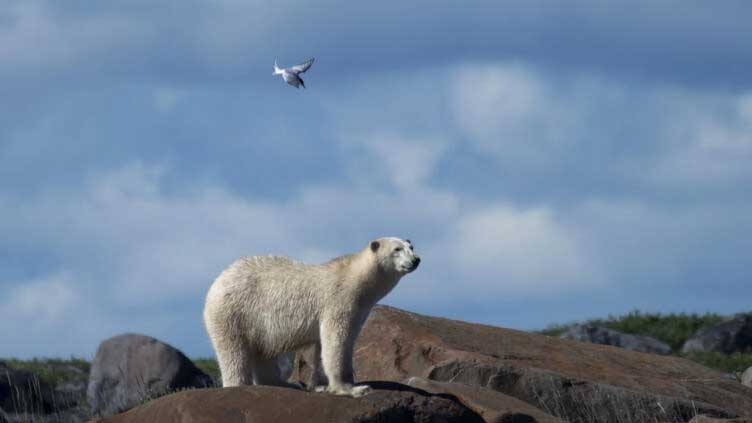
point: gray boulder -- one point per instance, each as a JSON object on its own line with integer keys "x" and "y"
{"x": 605, "y": 336}
{"x": 747, "y": 377}
{"x": 131, "y": 369}
{"x": 730, "y": 336}
{"x": 23, "y": 392}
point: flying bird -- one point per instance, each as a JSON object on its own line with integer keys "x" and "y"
{"x": 291, "y": 75}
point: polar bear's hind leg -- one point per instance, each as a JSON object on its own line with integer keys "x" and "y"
{"x": 267, "y": 372}
{"x": 235, "y": 363}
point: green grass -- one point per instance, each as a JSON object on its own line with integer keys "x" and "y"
{"x": 210, "y": 367}
{"x": 68, "y": 405}
{"x": 554, "y": 329}
{"x": 735, "y": 363}
{"x": 53, "y": 370}
{"x": 57, "y": 370}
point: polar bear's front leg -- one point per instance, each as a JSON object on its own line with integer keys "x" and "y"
{"x": 337, "y": 344}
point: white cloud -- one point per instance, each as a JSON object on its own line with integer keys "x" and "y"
{"x": 646, "y": 243}
{"x": 713, "y": 147}
{"x": 170, "y": 244}
{"x": 406, "y": 163}
{"x": 489, "y": 98}
{"x": 514, "y": 112}
{"x": 34, "y": 40}
{"x": 666, "y": 137}
{"x": 500, "y": 249}
{"x": 42, "y": 301}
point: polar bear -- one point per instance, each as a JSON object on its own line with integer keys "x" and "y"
{"x": 260, "y": 309}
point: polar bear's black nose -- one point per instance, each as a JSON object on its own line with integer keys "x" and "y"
{"x": 416, "y": 262}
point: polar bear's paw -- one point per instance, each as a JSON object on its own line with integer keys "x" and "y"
{"x": 348, "y": 390}
{"x": 360, "y": 391}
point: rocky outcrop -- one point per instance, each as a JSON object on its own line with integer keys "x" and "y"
{"x": 707, "y": 419}
{"x": 600, "y": 335}
{"x": 730, "y": 336}
{"x": 130, "y": 369}
{"x": 575, "y": 381}
{"x": 22, "y": 392}
{"x": 390, "y": 402}
{"x": 493, "y": 406}
{"x": 747, "y": 377}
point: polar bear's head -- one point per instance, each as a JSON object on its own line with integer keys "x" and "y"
{"x": 395, "y": 255}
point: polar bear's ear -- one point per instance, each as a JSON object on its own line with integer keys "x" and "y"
{"x": 375, "y": 246}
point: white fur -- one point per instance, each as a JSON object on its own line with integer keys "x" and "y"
{"x": 261, "y": 308}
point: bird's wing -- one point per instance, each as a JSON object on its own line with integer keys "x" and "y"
{"x": 303, "y": 66}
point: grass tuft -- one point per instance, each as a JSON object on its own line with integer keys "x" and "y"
{"x": 734, "y": 364}
{"x": 210, "y": 367}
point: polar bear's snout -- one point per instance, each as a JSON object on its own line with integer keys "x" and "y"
{"x": 407, "y": 260}
{"x": 413, "y": 264}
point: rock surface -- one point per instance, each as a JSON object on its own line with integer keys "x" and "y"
{"x": 706, "y": 419}
{"x": 747, "y": 377}
{"x": 600, "y": 335}
{"x": 575, "y": 381}
{"x": 129, "y": 369}
{"x": 493, "y": 406}
{"x": 730, "y": 336}
{"x": 22, "y": 392}
{"x": 390, "y": 402}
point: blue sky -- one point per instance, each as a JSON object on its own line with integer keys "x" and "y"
{"x": 550, "y": 162}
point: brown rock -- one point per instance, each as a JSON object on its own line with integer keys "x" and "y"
{"x": 575, "y": 381}
{"x": 493, "y": 406}
{"x": 390, "y": 402}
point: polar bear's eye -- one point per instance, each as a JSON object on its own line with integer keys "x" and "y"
{"x": 398, "y": 249}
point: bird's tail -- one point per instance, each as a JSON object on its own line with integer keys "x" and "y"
{"x": 277, "y": 70}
